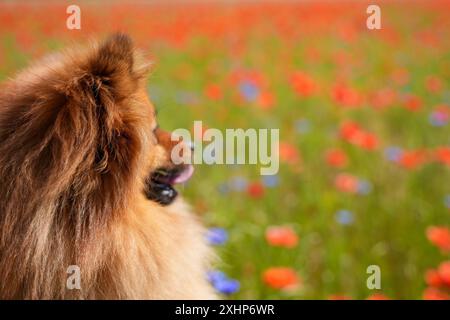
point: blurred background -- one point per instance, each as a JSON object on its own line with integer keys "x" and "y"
{"x": 364, "y": 128}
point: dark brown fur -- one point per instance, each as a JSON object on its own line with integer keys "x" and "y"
{"x": 76, "y": 145}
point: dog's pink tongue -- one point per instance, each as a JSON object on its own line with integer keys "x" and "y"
{"x": 185, "y": 175}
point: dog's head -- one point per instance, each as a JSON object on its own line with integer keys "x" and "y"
{"x": 79, "y": 129}
{"x": 121, "y": 70}
{"x": 119, "y": 87}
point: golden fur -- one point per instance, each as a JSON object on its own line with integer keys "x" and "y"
{"x": 77, "y": 142}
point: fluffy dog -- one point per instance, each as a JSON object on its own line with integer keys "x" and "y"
{"x": 86, "y": 179}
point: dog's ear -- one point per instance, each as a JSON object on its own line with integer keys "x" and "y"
{"x": 111, "y": 66}
{"x": 103, "y": 95}
{"x": 115, "y": 54}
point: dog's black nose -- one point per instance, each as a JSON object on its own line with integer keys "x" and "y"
{"x": 160, "y": 192}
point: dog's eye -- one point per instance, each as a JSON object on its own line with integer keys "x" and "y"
{"x": 154, "y": 133}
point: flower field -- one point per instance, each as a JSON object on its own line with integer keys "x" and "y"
{"x": 364, "y": 127}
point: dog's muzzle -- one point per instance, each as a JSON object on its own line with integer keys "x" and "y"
{"x": 159, "y": 186}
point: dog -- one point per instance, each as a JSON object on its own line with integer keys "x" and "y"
{"x": 87, "y": 180}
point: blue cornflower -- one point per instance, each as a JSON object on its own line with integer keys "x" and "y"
{"x": 393, "y": 153}
{"x": 223, "y": 188}
{"x": 270, "y": 181}
{"x": 154, "y": 93}
{"x": 215, "y": 276}
{"x": 216, "y": 236}
{"x": 302, "y": 126}
{"x": 344, "y": 217}
{"x": 249, "y": 90}
{"x": 222, "y": 283}
{"x": 227, "y": 286}
{"x": 364, "y": 187}
{"x": 238, "y": 184}
{"x": 186, "y": 97}
{"x": 437, "y": 119}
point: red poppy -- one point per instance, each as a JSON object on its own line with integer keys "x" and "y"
{"x": 346, "y": 96}
{"x": 412, "y": 102}
{"x": 432, "y": 293}
{"x": 412, "y": 159}
{"x": 377, "y": 296}
{"x": 266, "y": 100}
{"x": 383, "y": 98}
{"x": 346, "y": 183}
{"x": 349, "y": 130}
{"x": 283, "y": 278}
{"x": 282, "y": 237}
{"x": 289, "y": 153}
{"x": 336, "y": 158}
{"x": 255, "y": 190}
{"x": 439, "y": 236}
{"x": 433, "y": 279}
{"x": 444, "y": 272}
{"x": 303, "y": 84}
{"x": 213, "y": 92}
{"x": 354, "y": 134}
{"x": 368, "y": 141}
{"x": 442, "y": 155}
{"x": 433, "y": 84}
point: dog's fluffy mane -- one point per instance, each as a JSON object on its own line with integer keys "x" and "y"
{"x": 71, "y": 146}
